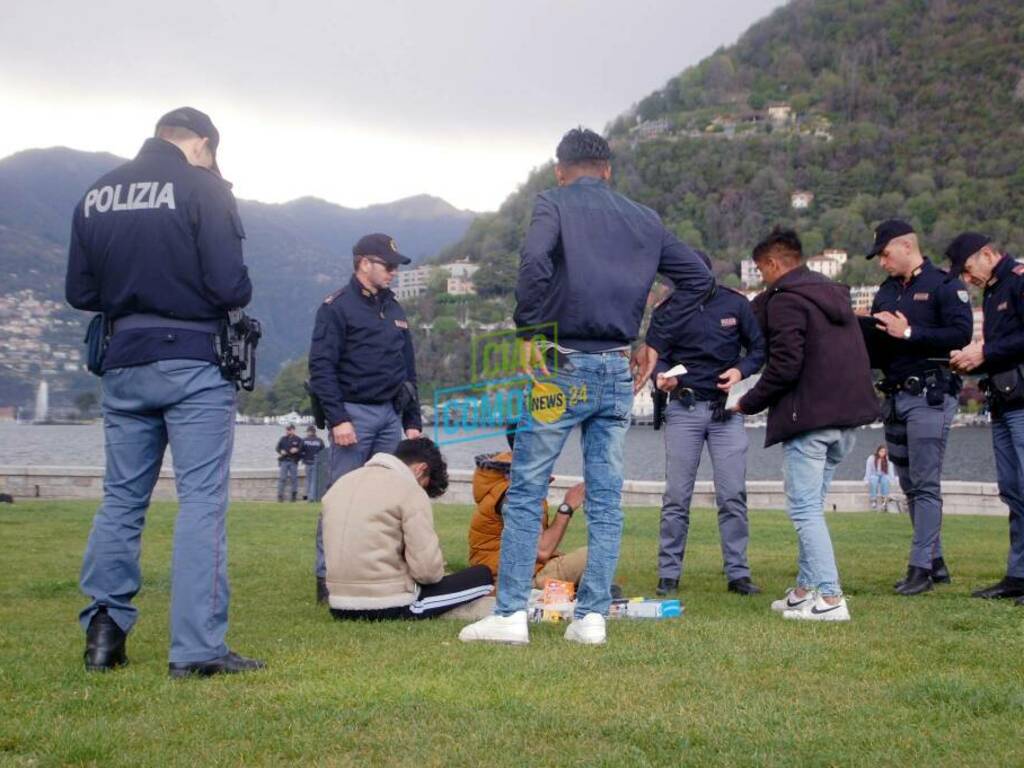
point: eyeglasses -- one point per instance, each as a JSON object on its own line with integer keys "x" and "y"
{"x": 387, "y": 266}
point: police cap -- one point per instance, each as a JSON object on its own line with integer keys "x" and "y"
{"x": 962, "y": 248}
{"x": 380, "y": 246}
{"x": 197, "y": 122}
{"x": 886, "y": 231}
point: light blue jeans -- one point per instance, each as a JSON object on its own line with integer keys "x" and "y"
{"x": 598, "y": 393}
{"x": 809, "y": 462}
{"x": 189, "y": 405}
{"x": 878, "y": 485}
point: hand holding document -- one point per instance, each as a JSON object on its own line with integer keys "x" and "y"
{"x": 740, "y": 388}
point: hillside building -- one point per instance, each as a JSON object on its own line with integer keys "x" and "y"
{"x": 801, "y": 200}
{"x": 410, "y": 283}
{"x": 750, "y": 276}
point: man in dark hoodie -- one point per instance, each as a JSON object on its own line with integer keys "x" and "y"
{"x": 817, "y": 388}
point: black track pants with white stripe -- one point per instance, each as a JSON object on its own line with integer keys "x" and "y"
{"x": 453, "y": 590}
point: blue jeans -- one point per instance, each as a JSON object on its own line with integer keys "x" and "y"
{"x": 189, "y": 405}
{"x": 878, "y": 485}
{"x": 598, "y": 392}
{"x": 809, "y": 462}
{"x": 378, "y": 430}
{"x": 287, "y": 479}
{"x": 1008, "y": 445}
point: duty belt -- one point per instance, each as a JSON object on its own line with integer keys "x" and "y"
{"x": 143, "y": 320}
{"x": 913, "y": 385}
{"x": 688, "y": 397}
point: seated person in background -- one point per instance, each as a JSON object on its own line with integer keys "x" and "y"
{"x": 383, "y": 557}
{"x": 879, "y": 474}
{"x": 490, "y": 482}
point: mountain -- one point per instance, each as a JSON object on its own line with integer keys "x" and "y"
{"x": 879, "y": 108}
{"x": 297, "y": 253}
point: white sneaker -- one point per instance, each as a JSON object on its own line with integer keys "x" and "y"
{"x": 819, "y": 610}
{"x": 587, "y": 631}
{"x": 498, "y": 629}
{"x": 792, "y": 603}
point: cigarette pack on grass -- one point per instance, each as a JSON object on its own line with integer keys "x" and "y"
{"x": 554, "y": 603}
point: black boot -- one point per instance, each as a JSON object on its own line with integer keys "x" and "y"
{"x": 667, "y": 587}
{"x": 918, "y": 580}
{"x": 228, "y": 664}
{"x": 321, "y": 590}
{"x": 104, "y": 643}
{"x": 1008, "y": 587}
{"x": 940, "y": 572}
{"x": 744, "y": 586}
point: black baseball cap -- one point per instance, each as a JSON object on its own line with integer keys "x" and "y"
{"x": 381, "y": 246}
{"x": 965, "y": 245}
{"x": 886, "y": 231}
{"x": 197, "y": 122}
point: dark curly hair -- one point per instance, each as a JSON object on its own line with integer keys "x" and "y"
{"x": 423, "y": 449}
{"x": 782, "y": 242}
{"x": 583, "y": 146}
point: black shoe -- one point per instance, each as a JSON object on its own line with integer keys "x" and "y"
{"x": 321, "y": 590}
{"x": 744, "y": 586}
{"x": 918, "y": 580}
{"x": 940, "y": 572}
{"x": 104, "y": 644}
{"x": 1008, "y": 587}
{"x": 616, "y": 592}
{"x": 667, "y": 587}
{"x": 228, "y": 664}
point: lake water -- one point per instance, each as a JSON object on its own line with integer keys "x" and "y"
{"x": 968, "y": 457}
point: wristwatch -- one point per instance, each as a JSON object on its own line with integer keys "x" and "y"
{"x": 564, "y": 509}
{"x": 906, "y": 332}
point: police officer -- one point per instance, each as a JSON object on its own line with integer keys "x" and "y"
{"x": 362, "y": 368}
{"x": 289, "y": 452}
{"x": 156, "y": 245}
{"x": 311, "y": 447}
{"x": 918, "y": 316}
{"x": 999, "y": 356}
{"x": 719, "y": 346}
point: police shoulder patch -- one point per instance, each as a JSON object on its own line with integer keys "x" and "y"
{"x": 963, "y": 296}
{"x": 1019, "y": 269}
{"x": 333, "y": 296}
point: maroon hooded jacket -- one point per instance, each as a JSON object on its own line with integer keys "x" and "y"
{"x": 818, "y": 375}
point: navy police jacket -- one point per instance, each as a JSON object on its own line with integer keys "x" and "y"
{"x": 362, "y": 353}
{"x": 1003, "y": 328}
{"x": 722, "y": 334}
{"x": 158, "y": 236}
{"x": 589, "y": 259}
{"x": 939, "y": 312}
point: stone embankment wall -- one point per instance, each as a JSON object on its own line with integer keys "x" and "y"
{"x": 959, "y": 497}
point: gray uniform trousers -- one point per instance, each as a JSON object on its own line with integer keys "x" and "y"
{"x": 916, "y": 434}
{"x": 686, "y": 431}
{"x": 378, "y": 430}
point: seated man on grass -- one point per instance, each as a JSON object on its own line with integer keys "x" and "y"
{"x": 490, "y": 482}
{"x": 383, "y": 557}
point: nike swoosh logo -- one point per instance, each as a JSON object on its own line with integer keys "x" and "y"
{"x": 791, "y": 604}
{"x": 816, "y": 612}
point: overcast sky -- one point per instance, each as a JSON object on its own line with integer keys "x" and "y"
{"x": 357, "y": 103}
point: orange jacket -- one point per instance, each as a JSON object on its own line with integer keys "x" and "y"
{"x": 490, "y": 482}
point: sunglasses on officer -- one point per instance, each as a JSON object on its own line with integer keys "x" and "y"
{"x": 387, "y": 265}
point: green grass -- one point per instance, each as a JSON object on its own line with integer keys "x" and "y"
{"x": 935, "y": 680}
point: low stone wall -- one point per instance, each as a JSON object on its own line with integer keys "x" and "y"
{"x": 959, "y": 497}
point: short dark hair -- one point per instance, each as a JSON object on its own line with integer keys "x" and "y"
{"x": 581, "y": 146}
{"x": 781, "y": 242}
{"x": 423, "y": 449}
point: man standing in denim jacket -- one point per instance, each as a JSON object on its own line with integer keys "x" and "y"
{"x": 587, "y": 264}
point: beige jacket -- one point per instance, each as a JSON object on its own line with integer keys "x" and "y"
{"x": 379, "y": 539}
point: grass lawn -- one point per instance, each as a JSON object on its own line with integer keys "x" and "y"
{"x": 934, "y": 680}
